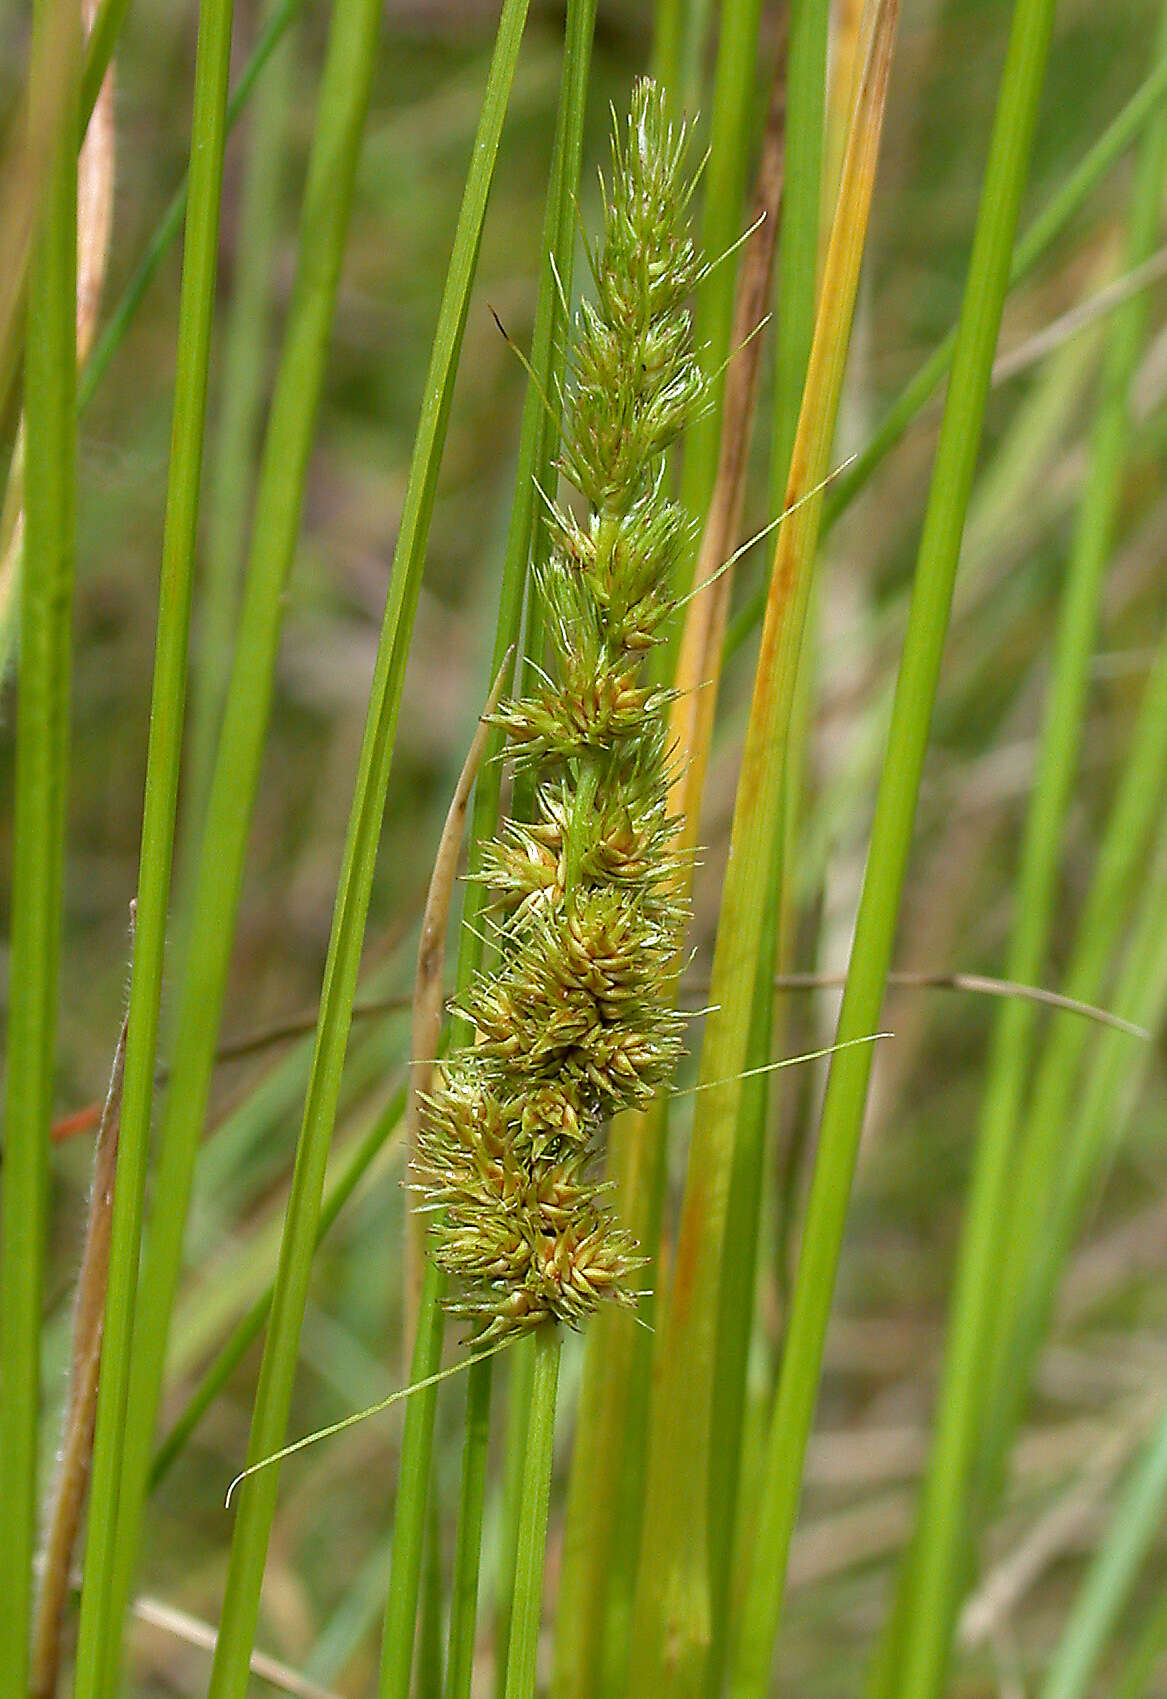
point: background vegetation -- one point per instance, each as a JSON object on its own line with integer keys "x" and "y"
{"x": 994, "y": 1379}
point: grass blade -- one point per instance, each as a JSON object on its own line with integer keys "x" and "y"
{"x": 538, "y": 441}
{"x": 521, "y": 1370}
{"x": 41, "y": 786}
{"x": 196, "y": 309}
{"x": 731, "y": 126}
{"x": 249, "y": 1328}
{"x": 241, "y": 394}
{"x": 257, "y": 1501}
{"x": 1088, "y": 1145}
{"x": 464, "y": 1595}
{"x": 798, "y": 250}
{"x": 927, "y": 1629}
{"x": 891, "y": 835}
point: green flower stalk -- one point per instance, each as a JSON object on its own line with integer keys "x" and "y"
{"x": 572, "y": 1024}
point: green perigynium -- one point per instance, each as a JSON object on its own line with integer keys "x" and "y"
{"x": 572, "y": 1024}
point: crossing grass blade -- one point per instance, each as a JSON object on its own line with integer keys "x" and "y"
{"x": 282, "y": 15}
{"x": 538, "y": 443}
{"x": 730, "y": 136}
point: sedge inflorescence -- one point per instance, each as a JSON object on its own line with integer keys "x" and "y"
{"x": 573, "y": 1022}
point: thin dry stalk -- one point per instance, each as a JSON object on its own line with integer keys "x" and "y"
{"x": 428, "y": 992}
{"x": 699, "y": 660}
{"x": 64, "y": 1516}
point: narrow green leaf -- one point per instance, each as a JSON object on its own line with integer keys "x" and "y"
{"x": 988, "y": 276}
{"x": 464, "y": 1596}
{"x": 1032, "y": 247}
{"x": 846, "y": 1093}
{"x": 241, "y": 396}
{"x": 796, "y": 272}
{"x": 1089, "y": 1142}
{"x": 250, "y": 1327}
{"x": 98, "y": 1632}
{"x": 42, "y": 748}
{"x": 731, "y": 130}
{"x": 521, "y": 1367}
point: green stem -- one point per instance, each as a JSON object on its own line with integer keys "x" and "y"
{"x": 99, "y": 1629}
{"x": 797, "y": 264}
{"x": 846, "y": 1094}
{"x": 917, "y": 1661}
{"x": 464, "y": 1597}
{"x": 527, "y": 1604}
{"x": 1087, "y": 1146}
{"x": 99, "y": 49}
{"x": 605, "y": 1503}
{"x": 796, "y": 279}
{"x": 538, "y": 446}
{"x": 1134, "y": 1680}
{"x": 738, "y": 1281}
{"x": 731, "y": 134}
{"x": 672, "y": 1624}
{"x": 42, "y": 749}
{"x": 522, "y": 1370}
{"x": 429, "y": 1634}
{"x": 417, "y": 1447}
{"x": 241, "y": 394}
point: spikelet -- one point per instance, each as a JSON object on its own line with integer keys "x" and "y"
{"x": 571, "y": 1025}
